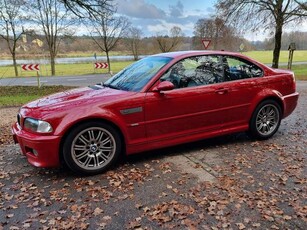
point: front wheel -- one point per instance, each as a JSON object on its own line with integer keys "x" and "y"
{"x": 91, "y": 148}
{"x": 265, "y": 120}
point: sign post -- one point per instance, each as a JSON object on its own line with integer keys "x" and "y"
{"x": 291, "y": 49}
{"x": 38, "y": 82}
{"x": 32, "y": 67}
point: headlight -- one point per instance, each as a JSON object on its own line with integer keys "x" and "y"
{"x": 38, "y": 126}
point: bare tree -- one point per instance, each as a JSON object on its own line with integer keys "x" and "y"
{"x": 303, "y": 5}
{"x": 264, "y": 14}
{"x": 54, "y": 20}
{"x": 221, "y": 35}
{"x": 134, "y": 41}
{"x": 107, "y": 30}
{"x": 87, "y": 8}
{"x": 10, "y": 25}
{"x": 169, "y": 43}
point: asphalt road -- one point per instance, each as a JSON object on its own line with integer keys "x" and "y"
{"x": 81, "y": 80}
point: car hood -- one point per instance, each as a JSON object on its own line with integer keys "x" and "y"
{"x": 78, "y": 97}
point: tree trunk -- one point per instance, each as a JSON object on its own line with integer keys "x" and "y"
{"x": 277, "y": 47}
{"x": 15, "y": 64}
{"x": 135, "y": 51}
{"x": 108, "y": 61}
{"x": 52, "y": 62}
{"x": 215, "y": 40}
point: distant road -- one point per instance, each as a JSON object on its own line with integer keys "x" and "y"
{"x": 81, "y": 80}
{"x": 286, "y": 63}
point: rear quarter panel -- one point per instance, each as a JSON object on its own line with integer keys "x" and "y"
{"x": 279, "y": 85}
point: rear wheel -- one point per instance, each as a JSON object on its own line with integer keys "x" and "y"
{"x": 91, "y": 148}
{"x": 265, "y": 120}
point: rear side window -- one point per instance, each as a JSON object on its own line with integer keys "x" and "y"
{"x": 241, "y": 69}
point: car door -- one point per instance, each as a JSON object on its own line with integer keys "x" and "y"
{"x": 191, "y": 109}
{"x": 244, "y": 80}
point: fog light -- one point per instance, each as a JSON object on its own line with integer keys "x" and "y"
{"x": 35, "y": 152}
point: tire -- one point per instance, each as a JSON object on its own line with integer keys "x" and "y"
{"x": 91, "y": 148}
{"x": 265, "y": 120}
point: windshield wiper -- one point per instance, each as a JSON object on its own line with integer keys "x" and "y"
{"x": 111, "y": 86}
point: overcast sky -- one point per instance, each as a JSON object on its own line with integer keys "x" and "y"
{"x": 158, "y": 16}
{"x": 153, "y": 16}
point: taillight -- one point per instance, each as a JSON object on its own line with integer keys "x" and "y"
{"x": 294, "y": 84}
{"x": 293, "y": 77}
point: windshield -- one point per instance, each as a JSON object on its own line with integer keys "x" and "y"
{"x": 137, "y": 75}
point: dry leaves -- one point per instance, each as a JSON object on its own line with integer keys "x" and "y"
{"x": 259, "y": 185}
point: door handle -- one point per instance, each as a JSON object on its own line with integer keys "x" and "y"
{"x": 248, "y": 83}
{"x": 221, "y": 91}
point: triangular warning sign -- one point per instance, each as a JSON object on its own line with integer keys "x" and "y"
{"x": 206, "y": 42}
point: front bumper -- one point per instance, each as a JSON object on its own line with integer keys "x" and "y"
{"x": 40, "y": 150}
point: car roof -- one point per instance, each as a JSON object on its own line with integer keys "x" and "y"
{"x": 191, "y": 53}
{"x": 182, "y": 54}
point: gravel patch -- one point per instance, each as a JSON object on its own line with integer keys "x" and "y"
{"x": 8, "y": 117}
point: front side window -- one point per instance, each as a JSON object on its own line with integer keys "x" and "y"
{"x": 196, "y": 71}
{"x": 137, "y": 75}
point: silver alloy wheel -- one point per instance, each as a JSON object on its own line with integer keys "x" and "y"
{"x": 93, "y": 148}
{"x": 267, "y": 119}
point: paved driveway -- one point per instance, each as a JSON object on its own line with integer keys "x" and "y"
{"x": 222, "y": 183}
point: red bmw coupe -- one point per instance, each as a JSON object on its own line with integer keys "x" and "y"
{"x": 161, "y": 100}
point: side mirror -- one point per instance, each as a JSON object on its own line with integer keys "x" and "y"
{"x": 164, "y": 86}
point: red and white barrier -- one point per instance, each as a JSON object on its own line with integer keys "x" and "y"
{"x": 101, "y": 65}
{"x": 30, "y": 67}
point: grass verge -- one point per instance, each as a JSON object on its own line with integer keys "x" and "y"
{"x": 19, "y": 95}
{"x": 87, "y": 68}
{"x": 63, "y": 69}
{"x": 300, "y": 72}
{"x": 267, "y": 56}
